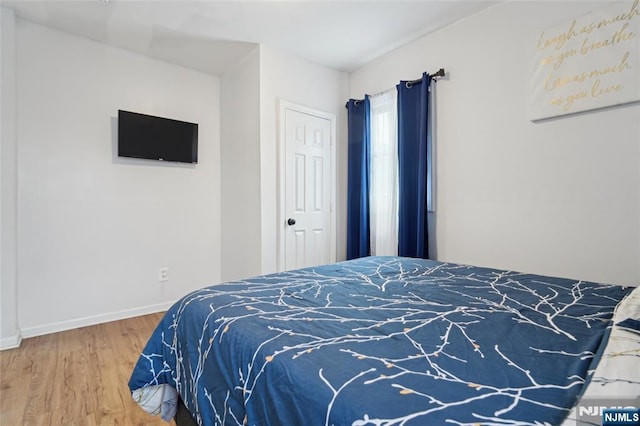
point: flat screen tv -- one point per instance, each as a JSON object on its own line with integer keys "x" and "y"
{"x": 156, "y": 138}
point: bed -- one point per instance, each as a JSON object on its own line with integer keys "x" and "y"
{"x": 386, "y": 341}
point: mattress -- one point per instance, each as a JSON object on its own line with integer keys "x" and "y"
{"x": 380, "y": 341}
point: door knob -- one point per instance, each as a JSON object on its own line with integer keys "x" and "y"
{"x": 291, "y": 221}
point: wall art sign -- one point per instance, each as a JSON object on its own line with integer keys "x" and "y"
{"x": 587, "y": 63}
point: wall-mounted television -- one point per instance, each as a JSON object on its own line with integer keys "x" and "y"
{"x": 156, "y": 138}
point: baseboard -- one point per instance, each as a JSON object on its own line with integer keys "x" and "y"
{"x": 11, "y": 342}
{"x": 93, "y": 320}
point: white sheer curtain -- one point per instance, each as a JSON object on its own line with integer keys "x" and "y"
{"x": 383, "y": 193}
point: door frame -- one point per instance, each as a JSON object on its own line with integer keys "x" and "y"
{"x": 283, "y": 106}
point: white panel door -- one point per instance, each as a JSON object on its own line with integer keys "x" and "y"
{"x": 307, "y": 195}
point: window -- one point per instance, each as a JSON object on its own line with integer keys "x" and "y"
{"x": 383, "y": 193}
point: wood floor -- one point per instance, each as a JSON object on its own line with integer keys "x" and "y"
{"x": 76, "y": 377}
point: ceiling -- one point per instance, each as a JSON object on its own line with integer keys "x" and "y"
{"x": 211, "y": 36}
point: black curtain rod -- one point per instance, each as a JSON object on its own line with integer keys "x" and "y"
{"x": 439, "y": 73}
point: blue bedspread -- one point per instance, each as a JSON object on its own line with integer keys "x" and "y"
{"x": 382, "y": 341}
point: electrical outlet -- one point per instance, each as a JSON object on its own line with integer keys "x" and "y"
{"x": 163, "y": 274}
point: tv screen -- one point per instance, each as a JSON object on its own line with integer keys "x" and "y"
{"x": 156, "y": 138}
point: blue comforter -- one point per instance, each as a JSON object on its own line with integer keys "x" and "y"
{"x": 382, "y": 341}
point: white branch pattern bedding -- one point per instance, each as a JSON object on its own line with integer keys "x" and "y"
{"x": 381, "y": 341}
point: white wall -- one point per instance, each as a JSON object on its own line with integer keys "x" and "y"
{"x": 249, "y": 95}
{"x": 289, "y": 78}
{"x": 9, "y": 330}
{"x": 560, "y": 197}
{"x": 240, "y": 120}
{"x": 93, "y": 228}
